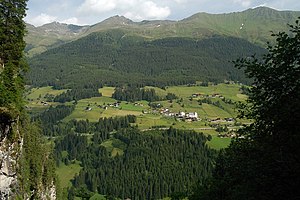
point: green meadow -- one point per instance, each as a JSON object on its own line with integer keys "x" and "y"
{"x": 39, "y": 93}
{"x": 66, "y": 173}
{"x": 147, "y": 118}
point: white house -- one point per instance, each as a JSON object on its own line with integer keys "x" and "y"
{"x": 192, "y": 115}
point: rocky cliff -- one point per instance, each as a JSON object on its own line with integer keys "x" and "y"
{"x": 11, "y": 151}
{"x": 9, "y": 154}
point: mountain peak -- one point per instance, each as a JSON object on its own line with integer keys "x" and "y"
{"x": 117, "y": 20}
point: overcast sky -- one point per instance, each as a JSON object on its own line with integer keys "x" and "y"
{"x": 89, "y": 12}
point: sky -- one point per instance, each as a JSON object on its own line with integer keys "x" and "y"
{"x": 89, "y": 12}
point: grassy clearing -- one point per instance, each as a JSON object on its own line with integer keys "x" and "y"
{"x": 212, "y": 111}
{"x": 107, "y": 91}
{"x": 114, "y": 147}
{"x": 66, "y": 173}
{"x": 80, "y": 112}
{"x": 132, "y": 107}
{"x": 216, "y": 142}
{"x": 230, "y": 91}
{"x": 35, "y": 96}
{"x": 112, "y": 112}
{"x": 160, "y": 92}
{"x": 39, "y": 93}
{"x": 219, "y": 143}
{"x": 149, "y": 120}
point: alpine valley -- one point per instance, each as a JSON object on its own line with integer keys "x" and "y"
{"x": 140, "y": 110}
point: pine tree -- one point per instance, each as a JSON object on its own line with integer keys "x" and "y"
{"x": 31, "y": 158}
{"x": 12, "y": 44}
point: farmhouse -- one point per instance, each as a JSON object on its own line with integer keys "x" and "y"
{"x": 192, "y": 115}
{"x": 181, "y": 114}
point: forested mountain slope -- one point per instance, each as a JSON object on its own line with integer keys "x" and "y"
{"x": 115, "y": 57}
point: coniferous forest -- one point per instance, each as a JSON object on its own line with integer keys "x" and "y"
{"x": 151, "y": 165}
{"x": 112, "y": 58}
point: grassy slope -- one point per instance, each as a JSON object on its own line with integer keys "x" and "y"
{"x": 229, "y": 91}
{"x": 35, "y": 93}
{"x": 107, "y": 91}
{"x": 67, "y": 173}
{"x": 35, "y": 96}
{"x": 114, "y": 147}
{"x": 146, "y": 121}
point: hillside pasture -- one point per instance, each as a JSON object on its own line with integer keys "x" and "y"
{"x": 66, "y": 173}
{"x": 148, "y": 118}
{"x": 107, "y": 91}
{"x": 39, "y": 93}
{"x": 230, "y": 91}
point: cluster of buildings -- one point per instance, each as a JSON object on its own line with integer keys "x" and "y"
{"x": 105, "y": 107}
{"x": 183, "y": 116}
{"x": 199, "y": 95}
{"x": 219, "y": 120}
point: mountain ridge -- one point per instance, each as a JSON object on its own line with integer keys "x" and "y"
{"x": 253, "y": 25}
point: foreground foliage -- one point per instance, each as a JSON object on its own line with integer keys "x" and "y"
{"x": 32, "y": 162}
{"x": 264, "y": 164}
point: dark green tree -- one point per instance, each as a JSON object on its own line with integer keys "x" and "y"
{"x": 12, "y": 44}
{"x": 33, "y": 167}
{"x": 264, "y": 162}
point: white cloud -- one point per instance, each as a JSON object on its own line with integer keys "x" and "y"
{"x": 181, "y": 1}
{"x": 148, "y": 10}
{"x": 244, "y": 3}
{"x": 96, "y": 6}
{"x": 133, "y": 9}
{"x": 41, "y": 19}
{"x": 73, "y": 20}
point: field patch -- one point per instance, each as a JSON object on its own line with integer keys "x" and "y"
{"x": 114, "y": 147}
{"x": 39, "y": 93}
{"x": 231, "y": 91}
{"x": 107, "y": 91}
{"x": 66, "y": 173}
{"x": 219, "y": 143}
{"x": 160, "y": 92}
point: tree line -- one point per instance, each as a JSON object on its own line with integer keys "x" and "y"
{"x": 77, "y": 94}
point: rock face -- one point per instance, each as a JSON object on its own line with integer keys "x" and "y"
{"x": 9, "y": 155}
{"x": 50, "y": 193}
{"x": 11, "y": 150}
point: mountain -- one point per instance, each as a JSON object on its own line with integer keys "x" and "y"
{"x": 253, "y": 25}
{"x": 39, "y": 39}
{"x": 119, "y": 51}
{"x": 115, "y": 58}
